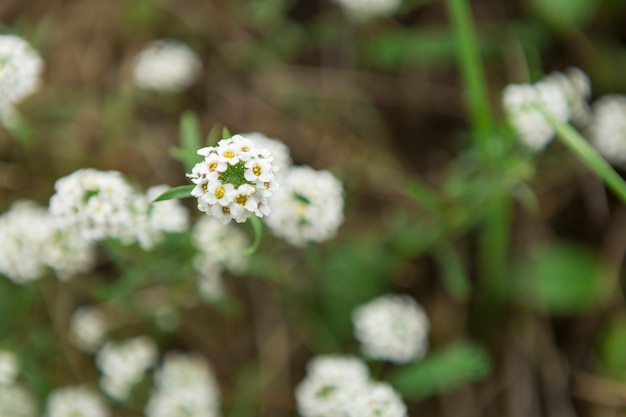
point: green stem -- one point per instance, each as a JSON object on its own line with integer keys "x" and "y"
{"x": 494, "y": 243}
{"x": 257, "y": 226}
{"x": 471, "y": 70}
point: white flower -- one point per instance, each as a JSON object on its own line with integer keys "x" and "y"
{"x": 392, "y": 327}
{"x": 88, "y": 328}
{"x": 20, "y": 72}
{"x": 307, "y": 208}
{"x": 166, "y": 65}
{"x": 576, "y": 87}
{"x": 75, "y": 401}
{"x": 331, "y": 386}
{"x": 9, "y": 367}
{"x": 361, "y": 10}
{"x": 123, "y": 364}
{"x": 607, "y": 130}
{"x": 67, "y": 252}
{"x": 278, "y": 150}
{"x": 185, "y": 387}
{"x": 378, "y": 400}
{"x": 234, "y": 181}
{"x": 15, "y": 401}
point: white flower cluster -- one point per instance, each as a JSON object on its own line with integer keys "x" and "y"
{"x": 392, "y": 327}
{"x": 20, "y": 72}
{"x": 166, "y": 65}
{"x": 32, "y": 240}
{"x": 220, "y": 247}
{"x": 607, "y": 130}
{"x": 15, "y": 401}
{"x": 103, "y": 205}
{"x": 9, "y": 367}
{"x": 308, "y": 207}
{"x": 361, "y": 10}
{"x": 185, "y": 387}
{"x": 234, "y": 181}
{"x": 340, "y": 386}
{"x": 123, "y": 364}
{"x": 277, "y": 148}
{"x": 75, "y": 401}
{"x": 564, "y": 96}
{"x": 88, "y": 328}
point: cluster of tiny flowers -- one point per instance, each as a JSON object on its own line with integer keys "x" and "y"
{"x": 75, "y": 401}
{"x": 563, "y": 96}
{"x": 392, "y": 327}
{"x": 166, "y": 65}
{"x": 88, "y": 328}
{"x": 20, "y": 72}
{"x": 9, "y": 367}
{"x": 234, "y": 181}
{"x": 220, "y": 247}
{"x": 607, "y": 130}
{"x": 340, "y": 386}
{"x": 278, "y": 150}
{"x": 123, "y": 365}
{"x": 16, "y": 401}
{"x": 32, "y": 240}
{"x": 185, "y": 386}
{"x": 361, "y": 10}
{"x": 307, "y": 208}
{"x": 103, "y": 205}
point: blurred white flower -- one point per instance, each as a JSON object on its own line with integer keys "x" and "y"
{"x": 185, "y": 386}
{"x": 278, "y": 150}
{"x": 20, "y": 73}
{"x": 75, "y": 401}
{"x": 166, "y": 65}
{"x": 123, "y": 364}
{"x": 234, "y": 181}
{"x": 9, "y": 367}
{"x": 576, "y": 87}
{"x": 607, "y": 130}
{"x": 88, "y": 328}
{"x": 361, "y": 10}
{"x": 392, "y": 327}
{"x": 378, "y": 400}
{"x": 15, "y": 401}
{"x": 307, "y": 208}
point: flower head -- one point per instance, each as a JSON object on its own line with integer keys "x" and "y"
{"x": 607, "y": 130}
{"x": 9, "y": 367}
{"x": 307, "y": 208}
{"x": 75, "y": 401}
{"x": 88, "y": 328}
{"x": 166, "y": 65}
{"x": 392, "y": 327}
{"x": 234, "y": 181}
{"x": 15, "y": 401}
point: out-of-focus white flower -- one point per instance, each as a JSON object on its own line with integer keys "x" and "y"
{"x": 166, "y": 65}
{"x": 123, "y": 364}
{"x": 361, "y": 10}
{"x": 278, "y": 150}
{"x": 378, "y": 400}
{"x": 331, "y": 386}
{"x": 15, "y": 401}
{"x": 20, "y": 72}
{"x": 308, "y": 207}
{"x": 67, "y": 252}
{"x": 25, "y": 231}
{"x": 607, "y": 130}
{"x": 9, "y": 367}
{"x": 392, "y": 327}
{"x": 234, "y": 181}
{"x": 75, "y": 401}
{"x": 88, "y": 328}
{"x": 185, "y": 387}
{"x": 576, "y": 87}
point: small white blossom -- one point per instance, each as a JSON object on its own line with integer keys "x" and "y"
{"x": 378, "y": 400}
{"x": 307, "y": 208}
{"x": 361, "y": 10}
{"x": 576, "y": 87}
{"x": 88, "y": 328}
{"x": 9, "y": 367}
{"x": 20, "y": 73}
{"x": 185, "y": 387}
{"x": 75, "y": 401}
{"x": 278, "y": 150}
{"x": 234, "y": 181}
{"x": 123, "y": 364}
{"x": 166, "y": 65}
{"x": 607, "y": 130}
{"x": 392, "y": 327}
{"x": 15, "y": 401}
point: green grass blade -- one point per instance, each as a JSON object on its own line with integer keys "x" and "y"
{"x": 183, "y": 191}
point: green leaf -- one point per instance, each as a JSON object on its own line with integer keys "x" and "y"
{"x": 611, "y": 351}
{"x": 441, "y": 371}
{"x": 562, "y": 278}
{"x": 214, "y": 135}
{"x": 183, "y": 191}
{"x": 190, "y": 141}
{"x": 225, "y": 133}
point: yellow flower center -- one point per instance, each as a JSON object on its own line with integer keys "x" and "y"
{"x": 241, "y": 199}
{"x": 219, "y": 192}
{"x": 244, "y": 148}
{"x": 229, "y": 154}
{"x": 225, "y": 210}
{"x": 256, "y": 170}
{"x": 212, "y": 166}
